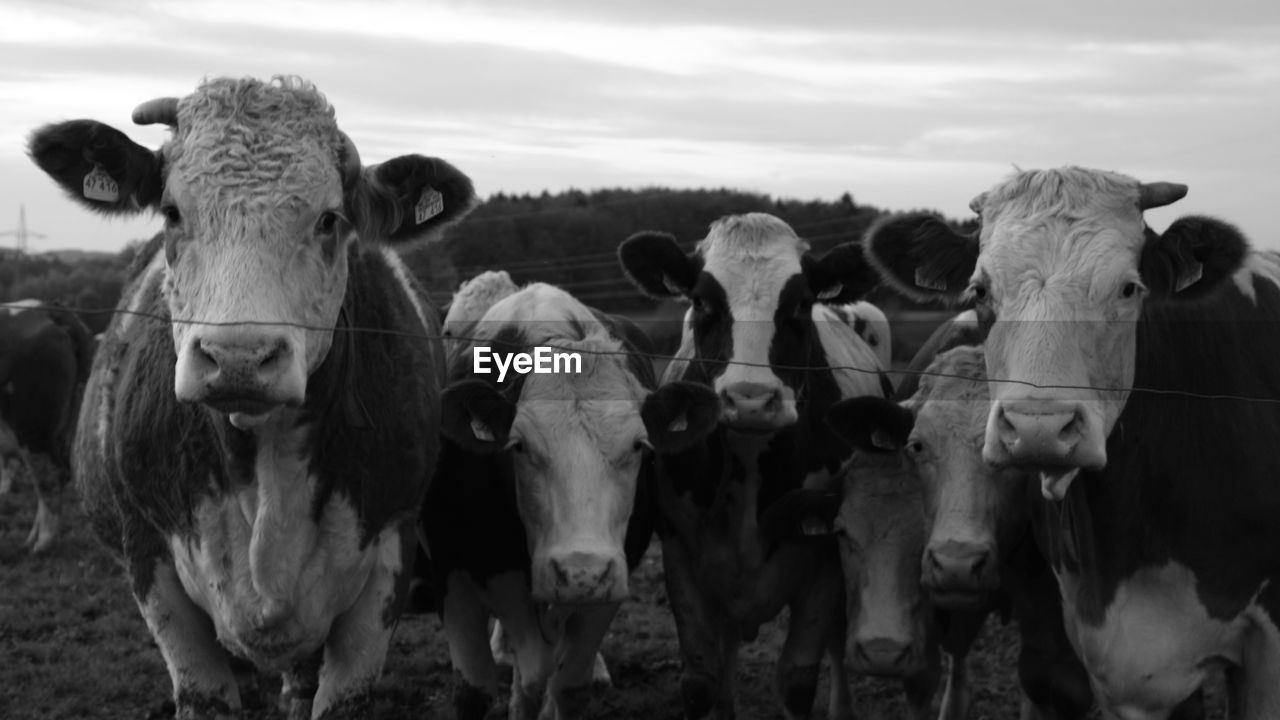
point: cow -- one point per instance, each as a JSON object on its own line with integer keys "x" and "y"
{"x": 472, "y": 300}
{"x": 736, "y": 545}
{"x": 542, "y": 504}
{"x": 44, "y": 361}
{"x": 975, "y": 555}
{"x": 1132, "y": 373}
{"x": 260, "y": 425}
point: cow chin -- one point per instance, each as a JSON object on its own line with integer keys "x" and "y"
{"x": 579, "y": 577}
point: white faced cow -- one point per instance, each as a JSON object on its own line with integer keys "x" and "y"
{"x": 469, "y": 304}
{"x": 1121, "y": 366}
{"x": 258, "y": 456}
{"x": 734, "y": 518}
{"x": 542, "y": 502}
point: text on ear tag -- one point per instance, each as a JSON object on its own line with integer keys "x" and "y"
{"x": 429, "y": 205}
{"x": 831, "y": 292}
{"x": 98, "y": 185}
{"x": 1189, "y": 278}
{"x": 932, "y": 284}
{"x": 481, "y": 431}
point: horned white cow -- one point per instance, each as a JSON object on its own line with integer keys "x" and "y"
{"x": 257, "y": 459}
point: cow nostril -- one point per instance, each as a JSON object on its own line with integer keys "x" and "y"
{"x": 1073, "y": 428}
{"x": 275, "y": 356}
{"x": 980, "y": 564}
{"x": 774, "y": 404}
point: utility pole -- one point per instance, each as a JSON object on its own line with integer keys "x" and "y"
{"x": 22, "y": 234}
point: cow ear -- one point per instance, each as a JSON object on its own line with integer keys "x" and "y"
{"x": 98, "y": 166}
{"x": 476, "y": 416}
{"x": 872, "y": 424}
{"x": 922, "y": 257}
{"x": 656, "y": 265}
{"x": 679, "y": 415}
{"x": 409, "y": 198}
{"x": 1191, "y": 257}
{"x": 843, "y": 275}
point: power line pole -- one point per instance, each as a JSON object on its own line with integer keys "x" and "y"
{"x": 22, "y": 234}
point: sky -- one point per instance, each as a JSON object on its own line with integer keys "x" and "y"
{"x": 904, "y": 105}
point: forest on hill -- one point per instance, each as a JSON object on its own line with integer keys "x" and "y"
{"x": 568, "y": 239}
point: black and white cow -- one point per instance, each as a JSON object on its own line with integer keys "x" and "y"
{"x": 258, "y": 455}
{"x": 1134, "y": 373}
{"x": 542, "y": 502}
{"x": 736, "y": 547}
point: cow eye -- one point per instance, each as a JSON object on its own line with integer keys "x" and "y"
{"x": 171, "y": 215}
{"x": 1130, "y": 289}
{"x": 327, "y": 222}
{"x": 979, "y": 292}
{"x": 915, "y": 447}
{"x": 641, "y": 445}
{"x": 517, "y": 446}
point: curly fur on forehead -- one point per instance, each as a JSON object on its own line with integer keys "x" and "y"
{"x": 477, "y": 295}
{"x": 256, "y": 142}
{"x": 753, "y": 236}
{"x": 1069, "y": 192}
{"x": 966, "y": 361}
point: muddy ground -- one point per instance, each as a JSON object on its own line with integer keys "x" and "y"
{"x": 73, "y": 646}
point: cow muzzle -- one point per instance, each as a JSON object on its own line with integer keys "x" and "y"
{"x": 886, "y": 656}
{"x": 240, "y": 371}
{"x": 959, "y": 574}
{"x": 580, "y": 577}
{"x": 756, "y": 407}
{"x": 1053, "y": 434}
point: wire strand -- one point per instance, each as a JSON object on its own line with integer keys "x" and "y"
{"x": 633, "y": 353}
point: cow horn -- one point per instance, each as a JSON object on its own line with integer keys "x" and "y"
{"x": 1159, "y": 194}
{"x": 160, "y": 110}
{"x": 350, "y": 158}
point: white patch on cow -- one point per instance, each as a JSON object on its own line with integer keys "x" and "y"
{"x": 679, "y": 363}
{"x": 472, "y": 300}
{"x": 273, "y": 579}
{"x": 752, "y": 256}
{"x": 17, "y": 307}
{"x": 855, "y": 366}
{"x": 1263, "y": 264}
{"x": 402, "y": 274}
{"x": 877, "y": 333}
{"x": 1156, "y": 643}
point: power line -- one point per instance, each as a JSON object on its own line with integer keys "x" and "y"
{"x": 655, "y": 356}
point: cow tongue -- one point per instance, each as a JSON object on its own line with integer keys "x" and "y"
{"x": 247, "y": 422}
{"x": 1054, "y": 483}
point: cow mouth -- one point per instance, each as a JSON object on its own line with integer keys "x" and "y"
{"x": 243, "y": 412}
{"x": 1054, "y": 481}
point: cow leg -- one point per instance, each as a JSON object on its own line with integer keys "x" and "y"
{"x": 576, "y": 659}
{"x": 204, "y": 687}
{"x": 358, "y": 640}
{"x": 45, "y": 526}
{"x": 466, "y": 622}
{"x": 508, "y": 595}
{"x": 840, "y": 705}
{"x": 298, "y": 690}
{"x": 957, "y": 631}
{"x": 814, "y": 616}
{"x": 708, "y": 640}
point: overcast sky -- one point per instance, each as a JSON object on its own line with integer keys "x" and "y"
{"x": 904, "y": 104}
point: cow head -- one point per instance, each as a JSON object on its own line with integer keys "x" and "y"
{"x": 577, "y": 443}
{"x": 1060, "y": 269}
{"x": 969, "y": 506}
{"x": 880, "y": 528}
{"x": 263, "y": 197}
{"x": 470, "y": 303}
{"x": 752, "y": 288}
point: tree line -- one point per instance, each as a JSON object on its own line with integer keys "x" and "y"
{"x": 567, "y": 238}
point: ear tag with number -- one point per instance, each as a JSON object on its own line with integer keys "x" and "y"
{"x": 98, "y": 185}
{"x": 429, "y": 205}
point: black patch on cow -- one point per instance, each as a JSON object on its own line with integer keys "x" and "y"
{"x": 469, "y": 701}
{"x": 1195, "y": 251}
{"x": 1187, "y": 479}
{"x": 69, "y": 151}
{"x": 799, "y": 685}
{"x": 860, "y": 327}
{"x": 712, "y": 330}
{"x": 922, "y": 257}
{"x": 39, "y": 383}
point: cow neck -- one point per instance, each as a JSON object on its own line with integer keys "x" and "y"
{"x": 1177, "y": 471}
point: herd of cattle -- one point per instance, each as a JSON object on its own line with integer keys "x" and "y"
{"x": 280, "y": 433}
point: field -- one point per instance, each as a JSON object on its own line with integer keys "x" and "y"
{"x": 72, "y": 646}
